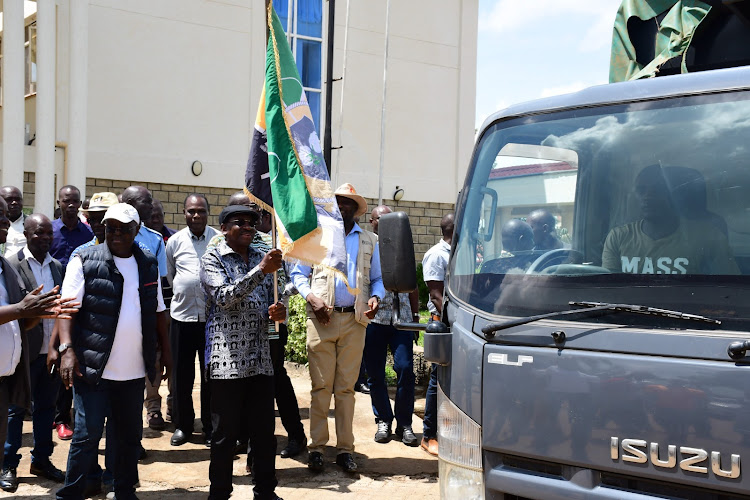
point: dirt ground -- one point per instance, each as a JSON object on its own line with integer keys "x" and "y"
{"x": 392, "y": 471}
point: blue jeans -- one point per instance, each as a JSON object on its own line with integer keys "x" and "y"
{"x": 43, "y": 395}
{"x": 377, "y": 341}
{"x": 120, "y": 402}
{"x": 430, "y": 406}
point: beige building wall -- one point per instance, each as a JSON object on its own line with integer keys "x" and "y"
{"x": 174, "y": 81}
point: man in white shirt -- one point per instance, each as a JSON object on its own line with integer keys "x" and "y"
{"x": 188, "y": 311}
{"x": 434, "y": 267}
{"x": 109, "y": 348}
{"x": 18, "y": 311}
{"x": 16, "y": 239}
{"x": 36, "y": 267}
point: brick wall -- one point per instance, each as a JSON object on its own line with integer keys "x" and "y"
{"x": 423, "y": 216}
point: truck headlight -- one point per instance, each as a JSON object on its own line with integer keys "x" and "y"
{"x": 460, "y": 451}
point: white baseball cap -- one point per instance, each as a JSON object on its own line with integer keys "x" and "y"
{"x": 123, "y": 212}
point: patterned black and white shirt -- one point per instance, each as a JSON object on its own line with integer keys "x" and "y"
{"x": 237, "y": 300}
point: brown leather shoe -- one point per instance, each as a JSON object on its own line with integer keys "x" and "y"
{"x": 430, "y": 446}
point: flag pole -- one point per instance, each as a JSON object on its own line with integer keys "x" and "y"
{"x": 273, "y": 216}
{"x": 382, "y": 111}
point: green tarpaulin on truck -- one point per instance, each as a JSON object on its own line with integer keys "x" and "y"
{"x": 673, "y": 37}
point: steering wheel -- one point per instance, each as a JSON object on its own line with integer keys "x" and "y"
{"x": 554, "y": 257}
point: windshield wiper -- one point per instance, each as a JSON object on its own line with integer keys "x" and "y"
{"x": 602, "y": 307}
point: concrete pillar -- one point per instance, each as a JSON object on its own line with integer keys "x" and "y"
{"x": 79, "y": 62}
{"x": 14, "y": 114}
{"x": 45, "y": 107}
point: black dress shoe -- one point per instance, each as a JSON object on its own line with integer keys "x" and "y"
{"x": 8, "y": 480}
{"x": 178, "y": 438}
{"x": 346, "y": 462}
{"x": 293, "y": 448}
{"x": 363, "y": 388}
{"x": 315, "y": 462}
{"x": 47, "y": 470}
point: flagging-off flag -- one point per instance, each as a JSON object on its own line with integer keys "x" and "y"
{"x": 286, "y": 173}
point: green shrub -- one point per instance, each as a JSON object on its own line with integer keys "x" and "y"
{"x": 296, "y": 349}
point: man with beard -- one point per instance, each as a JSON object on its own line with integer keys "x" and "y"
{"x": 336, "y": 330}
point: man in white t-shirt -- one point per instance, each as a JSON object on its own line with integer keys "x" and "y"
{"x": 434, "y": 267}
{"x": 109, "y": 348}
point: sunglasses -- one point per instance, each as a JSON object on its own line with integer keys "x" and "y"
{"x": 242, "y": 222}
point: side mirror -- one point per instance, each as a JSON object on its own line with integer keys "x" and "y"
{"x": 397, "y": 253}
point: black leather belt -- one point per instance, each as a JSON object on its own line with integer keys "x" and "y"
{"x": 347, "y": 309}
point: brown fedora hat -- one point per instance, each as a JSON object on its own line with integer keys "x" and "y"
{"x": 347, "y": 191}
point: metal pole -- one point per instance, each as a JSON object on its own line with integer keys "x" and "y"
{"x": 335, "y": 176}
{"x": 273, "y": 214}
{"x": 329, "y": 87}
{"x": 382, "y": 113}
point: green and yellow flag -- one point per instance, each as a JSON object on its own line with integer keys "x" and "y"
{"x": 286, "y": 162}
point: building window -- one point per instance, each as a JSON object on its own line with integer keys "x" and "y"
{"x": 29, "y": 58}
{"x": 303, "y": 24}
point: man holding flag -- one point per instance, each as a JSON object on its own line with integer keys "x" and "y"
{"x": 287, "y": 176}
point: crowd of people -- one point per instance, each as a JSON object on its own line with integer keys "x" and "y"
{"x": 101, "y": 305}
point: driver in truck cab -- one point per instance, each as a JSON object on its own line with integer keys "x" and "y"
{"x": 664, "y": 241}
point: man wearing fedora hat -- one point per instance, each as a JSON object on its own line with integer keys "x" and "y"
{"x": 336, "y": 322}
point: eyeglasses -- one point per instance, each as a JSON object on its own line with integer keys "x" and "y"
{"x": 243, "y": 223}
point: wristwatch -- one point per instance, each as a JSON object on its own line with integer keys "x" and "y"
{"x": 63, "y": 347}
{"x": 376, "y": 298}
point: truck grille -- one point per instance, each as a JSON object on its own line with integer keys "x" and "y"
{"x": 660, "y": 489}
{"x": 669, "y": 490}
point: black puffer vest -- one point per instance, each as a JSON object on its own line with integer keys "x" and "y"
{"x": 96, "y": 322}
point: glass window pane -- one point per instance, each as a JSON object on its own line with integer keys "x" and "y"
{"x": 309, "y": 62}
{"x": 282, "y": 10}
{"x": 659, "y": 195}
{"x": 314, "y": 99}
{"x": 310, "y": 18}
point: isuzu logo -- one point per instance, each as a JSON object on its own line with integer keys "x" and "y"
{"x": 638, "y": 451}
{"x": 502, "y": 359}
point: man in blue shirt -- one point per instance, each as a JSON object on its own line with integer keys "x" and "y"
{"x": 336, "y": 330}
{"x": 68, "y": 233}
{"x": 140, "y": 198}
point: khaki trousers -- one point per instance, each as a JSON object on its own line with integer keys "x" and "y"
{"x": 334, "y": 353}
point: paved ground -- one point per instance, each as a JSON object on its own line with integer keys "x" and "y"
{"x": 392, "y": 471}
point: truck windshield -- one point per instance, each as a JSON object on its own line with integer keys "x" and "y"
{"x": 644, "y": 203}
